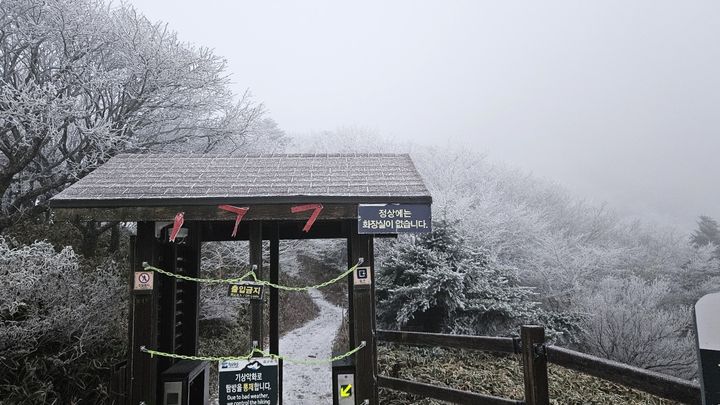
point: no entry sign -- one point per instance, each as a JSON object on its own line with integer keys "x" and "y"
{"x": 253, "y": 291}
{"x": 707, "y": 322}
{"x": 248, "y": 382}
{"x": 144, "y": 280}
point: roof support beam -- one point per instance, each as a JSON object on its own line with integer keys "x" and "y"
{"x": 269, "y": 212}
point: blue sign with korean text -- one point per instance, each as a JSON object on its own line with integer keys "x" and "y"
{"x": 394, "y": 218}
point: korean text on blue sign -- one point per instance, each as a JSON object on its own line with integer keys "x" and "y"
{"x": 394, "y": 218}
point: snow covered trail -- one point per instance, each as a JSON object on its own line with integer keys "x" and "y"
{"x": 310, "y": 385}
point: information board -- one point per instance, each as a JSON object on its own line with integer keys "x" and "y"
{"x": 707, "y": 323}
{"x": 394, "y": 218}
{"x": 248, "y": 382}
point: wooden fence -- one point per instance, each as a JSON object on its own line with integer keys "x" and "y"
{"x": 535, "y": 355}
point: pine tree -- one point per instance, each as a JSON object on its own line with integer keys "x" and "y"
{"x": 708, "y": 232}
{"x": 438, "y": 282}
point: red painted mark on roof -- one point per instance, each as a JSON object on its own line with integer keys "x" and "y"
{"x": 240, "y": 211}
{"x": 307, "y": 207}
{"x": 177, "y": 224}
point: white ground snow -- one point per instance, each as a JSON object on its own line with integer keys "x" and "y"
{"x": 310, "y": 385}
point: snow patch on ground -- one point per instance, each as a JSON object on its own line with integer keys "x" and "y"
{"x": 311, "y": 385}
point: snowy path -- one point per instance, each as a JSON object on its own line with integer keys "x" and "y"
{"x": 310, "y": 385}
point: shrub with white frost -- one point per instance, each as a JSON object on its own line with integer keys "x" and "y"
{"x": 61, "y": 324}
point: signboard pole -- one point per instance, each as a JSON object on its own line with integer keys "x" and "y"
{"x": 256, "y": 306}
{"x": 707, "y": 324}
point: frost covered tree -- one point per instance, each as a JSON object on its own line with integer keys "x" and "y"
{"x": 81, "y": 80}
{"x": 61, "y": 325}
{"x": 708, "y": 233}
{"x": 438, "y": 282}
{"x": 538, "y": 234}
{"x": 627, "y": 322}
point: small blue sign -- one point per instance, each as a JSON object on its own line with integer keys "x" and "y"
{"x": 394, "y": 218}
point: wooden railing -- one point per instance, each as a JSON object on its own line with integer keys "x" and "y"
{"x": 535, "y": 356}
{"x": 661, "y": 385}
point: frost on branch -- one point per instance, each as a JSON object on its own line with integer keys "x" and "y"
{"x": 81, "y": 81}
{"x": 60, "y": 324}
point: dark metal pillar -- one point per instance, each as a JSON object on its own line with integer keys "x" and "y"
{"x": 274, "y": 300}
{"x": 256, "y": 307}
{"x": 143, "y": 323}
{"x": 364, "y": 322}
{"x": 351, "y": 226}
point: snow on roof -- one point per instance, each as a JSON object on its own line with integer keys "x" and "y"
{"x": 194, "y": 179}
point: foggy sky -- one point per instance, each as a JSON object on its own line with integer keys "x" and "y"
{"x": 617, "y": 100}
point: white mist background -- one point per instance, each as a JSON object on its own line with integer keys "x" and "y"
{"x": 618, "y": 101}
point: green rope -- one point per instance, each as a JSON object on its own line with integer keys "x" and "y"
{"x": 252, "y": 274}
{"x": 251, "y": 354}
{"x": 321, "y": 285}
{"x": 148, "y": 267}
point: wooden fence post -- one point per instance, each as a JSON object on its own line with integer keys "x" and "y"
{"x": 534, "y": 365}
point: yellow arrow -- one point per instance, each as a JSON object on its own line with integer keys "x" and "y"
{"x": 345, "y": 390}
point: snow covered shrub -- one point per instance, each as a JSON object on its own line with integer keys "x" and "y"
{"x": 627, "y": 323}
{"x": 438, "y": 282}
{"x": 61, "y": 325}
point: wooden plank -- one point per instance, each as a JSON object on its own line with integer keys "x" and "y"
{"x": 256, "y": 307}
{"x": 658, "y": 384}
{"x": 214, "y": 231}
{"x": 144, "y": 323}
{"x": 485, "y": 343}
{"x": 534, "y": 365}
{"x": 363, "y": 303}
{"x": 201, "y": 212}
{"x": 443, "y": 393}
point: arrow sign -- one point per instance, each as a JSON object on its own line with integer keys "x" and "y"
{"x": 239, "y": 214}
{"x": 343, "y": 389}
{"x": 307, "y": 207}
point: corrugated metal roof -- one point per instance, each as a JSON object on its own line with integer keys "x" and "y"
{"x": 161, "y": 179}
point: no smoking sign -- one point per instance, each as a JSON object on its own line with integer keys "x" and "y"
{"x": 144, "y": 280}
